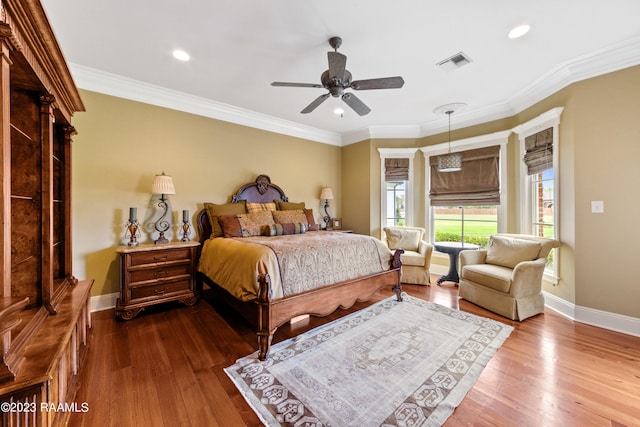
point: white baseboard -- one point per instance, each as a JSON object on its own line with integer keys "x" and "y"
{"x": 559, "y": 305}
{"x": 104, "y": 302}
{"x": 602, "y": 319}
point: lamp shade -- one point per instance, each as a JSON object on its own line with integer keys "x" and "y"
{"x": 163, "y": 184}
{"x": 326, "y": 193}
{"x": 451, "y": 162}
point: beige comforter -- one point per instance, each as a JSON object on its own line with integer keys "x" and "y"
{"x": 295, "y": 263}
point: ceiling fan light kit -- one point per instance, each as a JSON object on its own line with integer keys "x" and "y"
{"x": 337, "y": 79}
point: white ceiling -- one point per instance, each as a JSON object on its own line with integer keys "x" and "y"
{"x": 124, "y": 48}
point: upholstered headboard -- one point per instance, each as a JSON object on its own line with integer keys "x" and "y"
{"x": 259, "y": 191}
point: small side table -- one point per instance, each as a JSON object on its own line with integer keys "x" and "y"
{"x": 453, "y": 249}
{"x": 153, "y": 274}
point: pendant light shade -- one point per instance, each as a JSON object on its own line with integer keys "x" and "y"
{"x": 450, "y": 162}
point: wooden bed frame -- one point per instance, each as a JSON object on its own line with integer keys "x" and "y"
{"x": 268, "y": 314}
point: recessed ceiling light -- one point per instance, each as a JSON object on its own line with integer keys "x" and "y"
{"x": 519, "y": 31}
{"x": 181, "y": 55}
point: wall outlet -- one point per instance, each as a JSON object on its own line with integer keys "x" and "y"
{"x": 597, "y": 206}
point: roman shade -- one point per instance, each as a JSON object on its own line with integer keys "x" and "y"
{"x": 478, "y": 183}
{"x": 539, "y": 151}
{"x": 396, "y": 169}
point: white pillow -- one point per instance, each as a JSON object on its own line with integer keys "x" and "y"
{"x": 405, "y": 238}
{"x": 508, "y": 252}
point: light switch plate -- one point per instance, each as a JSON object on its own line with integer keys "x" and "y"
{"x": 597, "y": 206}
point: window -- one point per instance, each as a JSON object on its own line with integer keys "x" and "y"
{"x": 477, "y": 218}
{"x": 539, "y": 181}
{"x": 395, "y": 203}
{"x": 542, "y": 203}
{"x": 396, "y": 175}
{"x": 471, "y": 224}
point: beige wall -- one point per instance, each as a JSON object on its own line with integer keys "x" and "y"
{"x": 355, "y": 182}
{"x": 122, "y": 144}
{"x": 606, "y": 152}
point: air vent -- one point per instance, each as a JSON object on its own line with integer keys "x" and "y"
{"x": 456, "y": 61}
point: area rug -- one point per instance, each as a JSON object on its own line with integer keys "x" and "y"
{"x": 393, "y": 363}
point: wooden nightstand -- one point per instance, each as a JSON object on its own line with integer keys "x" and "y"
{"x": 153, "y": 274}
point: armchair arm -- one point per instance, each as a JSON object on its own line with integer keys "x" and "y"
{"x": 425, "y": 249}
{"x": 527, "y": 278}
{"x": 472, "y": 257}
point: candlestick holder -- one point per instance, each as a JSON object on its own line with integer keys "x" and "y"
{"x": 186, "y": 231}
{"x": 132, "y": 232}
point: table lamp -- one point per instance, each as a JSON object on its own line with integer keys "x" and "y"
{"x": 162, "y": 184}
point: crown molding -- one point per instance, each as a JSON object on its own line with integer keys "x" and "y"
{"x": 603, "y": 61}
{"x": 613, "y": 58}
{"x": 123, "y": 87}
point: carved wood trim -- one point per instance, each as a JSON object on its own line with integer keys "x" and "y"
{"x": 33, "y": 37}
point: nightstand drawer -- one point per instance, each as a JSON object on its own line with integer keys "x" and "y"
{"x": 159, "y": 273}
{"x": 160, "y": 290}
{"x": 152, "y": 257}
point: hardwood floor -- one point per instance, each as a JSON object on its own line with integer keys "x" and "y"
{"x": 165, "y": 368}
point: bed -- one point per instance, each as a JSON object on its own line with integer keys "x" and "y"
{"x": 268, "y": 302}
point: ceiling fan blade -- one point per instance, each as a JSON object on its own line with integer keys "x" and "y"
{"x": 381, "y": 83}
{"x": 288, "y": 84}
{"x": 354, "y": 102}
{"x": 319, "y": 100}
{"x": 337, "y": 65}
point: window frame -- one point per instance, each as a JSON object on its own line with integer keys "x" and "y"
{"x": 546, "y": 120}
{"x": 397, "y": 153}
{"x": 497, "y": 138}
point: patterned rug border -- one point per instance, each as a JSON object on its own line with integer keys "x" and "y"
{"x": 250, "y": 375}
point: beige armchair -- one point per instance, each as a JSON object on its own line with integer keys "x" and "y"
{"x": 416, "y": 259}
{"x": 506, "y": 278}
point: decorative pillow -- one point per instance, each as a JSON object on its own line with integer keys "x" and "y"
{"x": 508, "y": 252}
{"x": 405, "y": 238}
{"x": 230, "y": 225}
{"x": 259, "y": 207}
{"x": 214, "y": 211}
{"x": 290, "y": 216}
{"x": 288, "y": 206}
{"x": 252, "y": 223}
{"x": 283, "y": 229}
{"x": 311, "y": 222}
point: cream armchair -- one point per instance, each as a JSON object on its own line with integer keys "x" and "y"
{"x": 506, "y": 278}
{"x": 416, "y": 259}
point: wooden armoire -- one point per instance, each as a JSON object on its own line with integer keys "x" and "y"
{"x": 44, "y": 310}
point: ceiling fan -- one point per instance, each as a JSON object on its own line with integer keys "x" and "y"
{"x": 337, "y": 78}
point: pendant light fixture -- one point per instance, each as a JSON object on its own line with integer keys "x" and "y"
{"x": 450, "y": 162}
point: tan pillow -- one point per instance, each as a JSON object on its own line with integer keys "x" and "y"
{"x": 257, "y": 207}
{"x": 404, "y": 238}
{"x": 290, "y": 216}
{"x": 508, "y": 252}
{"x": 288, "y": 206}
{"x": 252, "y": 223}
{"x": 214, "y": 211}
